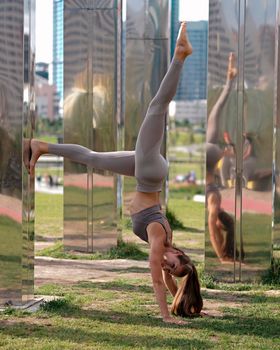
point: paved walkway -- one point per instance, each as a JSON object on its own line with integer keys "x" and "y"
{"x": 69, "y": 271}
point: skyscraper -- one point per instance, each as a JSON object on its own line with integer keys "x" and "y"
{"x": 193, "y": 82}
{"x": 58, "y": 46}
{"x": 174, "y": 24}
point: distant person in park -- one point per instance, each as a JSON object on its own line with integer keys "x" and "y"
{"x": 150, "y": 168}
{"x": 220, "y": 223}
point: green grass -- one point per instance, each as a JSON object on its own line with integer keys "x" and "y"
{"x": 184, "y": 168}
{"x": 183, "y": 137}
{"x": 47, "y": 138}
{"x": 123, "y": 250}
{"x": 48, "y": 215}
{"x": 122, "y": 314}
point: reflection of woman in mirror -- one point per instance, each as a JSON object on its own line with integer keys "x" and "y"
{"x": 220, "y": 223}
{"x": 149, "y": 168}
{"x": 228, "y": 168}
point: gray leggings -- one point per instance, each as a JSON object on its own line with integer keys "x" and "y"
{"x": 146, "y": 162}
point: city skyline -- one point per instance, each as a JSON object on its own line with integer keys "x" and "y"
{"x": 44, "y": 26}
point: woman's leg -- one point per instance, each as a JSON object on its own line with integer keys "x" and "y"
{"x": 152, "y": 129}
{"x": 122, "y": 162}
{"x": 213, "y": 123}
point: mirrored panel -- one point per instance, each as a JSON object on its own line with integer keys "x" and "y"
{"x": 16, "y": 194}
{"x": 276, "y": 228}
{"x": 90, "y": 75}
{"x": 221, "y": 139}
{"x": 257, "y": 138}
{"x": 105, "y": 37}
{"x": 239, "y": 180}
{"x": 77, "y": 126}
{"x": 28, "y": 126}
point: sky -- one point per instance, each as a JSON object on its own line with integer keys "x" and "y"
{"x": 193, "y": 10}
{"x": 44, "y": 30}
{"x": 190, "y": 10}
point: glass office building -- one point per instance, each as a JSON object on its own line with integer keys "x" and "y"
{"x": 58, "y": 46}
{"x": 192, "y": 84}
{"x": 174, "y": 24}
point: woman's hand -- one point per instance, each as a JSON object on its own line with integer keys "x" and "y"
{"x": 174, "y": 321}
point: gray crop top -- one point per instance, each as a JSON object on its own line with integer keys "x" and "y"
{"x": 142, "y": 219}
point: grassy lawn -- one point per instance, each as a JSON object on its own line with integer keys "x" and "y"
{"x": 48, "y": 215}
{"x": 48, "y": 138}
{"x": 122, "y": 314}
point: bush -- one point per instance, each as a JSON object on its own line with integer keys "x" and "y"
{"x": 272, "y": 276}
{"x": 126, "y": 250}
{"x": 173, "y": 221}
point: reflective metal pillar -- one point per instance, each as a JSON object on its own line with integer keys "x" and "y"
{"x": 276, "y": 226}
{"x": 17, "y": 109}
{"x": 91, "y": 47}
{"x": 147, "y": 56}
{"x": 239, "y": 156}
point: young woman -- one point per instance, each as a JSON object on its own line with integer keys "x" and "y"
{"x": 150, "y": 169}
{"x": 220, "y": 223}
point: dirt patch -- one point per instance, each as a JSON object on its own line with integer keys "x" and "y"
{"x": 67, "y": 271}
{"x": 215, "y": 301}
{"x": 272, "y": 293}
{"x": 26, "y": 320}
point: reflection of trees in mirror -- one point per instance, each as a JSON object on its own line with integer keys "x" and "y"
{"x": 95, "y": 120}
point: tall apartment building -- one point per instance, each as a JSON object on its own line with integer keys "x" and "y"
{"x": 174, "y": 24}
{"x": 58, "y": 46}
{"x": 193, "y": 82}
{"x": 12, "y": 76}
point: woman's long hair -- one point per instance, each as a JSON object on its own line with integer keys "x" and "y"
{"x": 187, "y": 301}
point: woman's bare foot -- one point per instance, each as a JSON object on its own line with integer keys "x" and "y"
{"x": 183, "y": 46}
{"x": 37, "y": 149}
{"x": 232, "y": 70}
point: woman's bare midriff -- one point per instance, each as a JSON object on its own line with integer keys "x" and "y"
{"x": 143, "y": 200}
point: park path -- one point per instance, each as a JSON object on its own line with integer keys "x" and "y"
{"x": 71, "y": 271}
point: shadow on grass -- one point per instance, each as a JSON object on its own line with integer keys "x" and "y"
{"x": 262, "y": 327}
{"x": 192, "y": 229}
{"x": 116, "y": 286}
{"x": 250, "y": 299}
{"x": 238, "y": 325}
{"x": 114, "y": 337}
{"x": 131, "y": 269}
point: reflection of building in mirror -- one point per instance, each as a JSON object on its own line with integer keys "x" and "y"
{"x": 46, "y": 101}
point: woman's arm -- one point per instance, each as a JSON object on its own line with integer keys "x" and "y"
{"x": 157, "y": 239}
{"x": 170, "y": 282}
